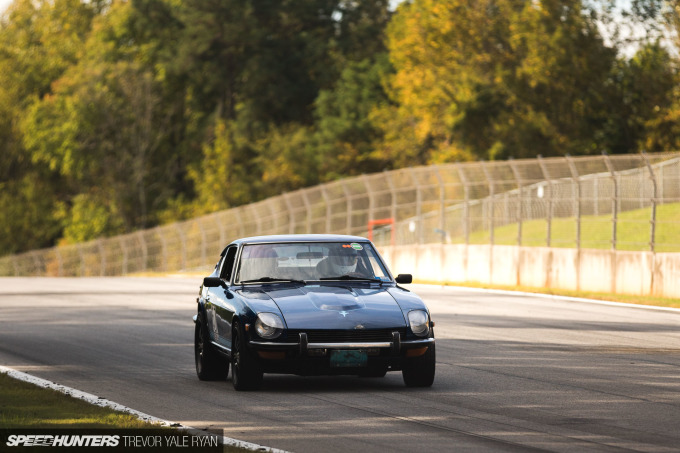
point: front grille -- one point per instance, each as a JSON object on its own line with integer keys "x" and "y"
{"x": 345, "y": 336}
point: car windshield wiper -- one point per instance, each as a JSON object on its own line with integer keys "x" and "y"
{"x": 272, "y": 279}
{"x": 352, "y": 277}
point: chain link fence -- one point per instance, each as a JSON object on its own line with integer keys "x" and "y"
{"x": 627, "y": 202}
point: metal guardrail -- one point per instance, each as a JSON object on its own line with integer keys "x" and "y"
{"x": 626, "y": 202}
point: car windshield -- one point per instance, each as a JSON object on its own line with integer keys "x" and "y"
{"x": 315, "y": 261}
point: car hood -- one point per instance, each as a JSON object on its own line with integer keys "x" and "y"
{"x": 337, "y": 307}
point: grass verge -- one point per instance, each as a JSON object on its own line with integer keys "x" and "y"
{"x": 610, "y": 297}
{"x": 24, "y": 405}
{"x": 27, "y": 406}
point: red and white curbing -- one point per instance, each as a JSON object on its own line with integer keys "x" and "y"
{"x": 102, "y": 402}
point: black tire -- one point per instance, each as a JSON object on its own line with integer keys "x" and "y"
{"x": 245, "y": 371}
{"x": 210, "y": 366}
{"x": 419, "y": 371}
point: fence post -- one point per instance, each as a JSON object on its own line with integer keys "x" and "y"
{"x": 326, "y": 200}
{"x": 547, "y": 177}
{"x": 348, "y": 199}
{"x": 305, "y": 199}
{"x": 491, "y": 201}
{"x": 124, "y": 264}
{"x": 239, "y": 221}
{"x": 419, "y": 206}
{"x": 442, "y": 203}
{"x": 577, "y": 182}
{"x": 220, "y": 228}
{"x": 271, "y": 204}
{"x": 520, "y": 201}
{"x": 102, "y": 262}
{"x": 466, "y": 203}
{"x": 615, "y": 199}
{"x": 82, "y": 259}
{"x": 60, "y": 262}
{"x": 204, "y": 242}
{"x": 183, "y": 240}
{"x": 258, "y": 220}
{"x": 291, "y": 216}
{"x": 393, "y": 196}
{"x": 371, "y": 198}
{"x": 164, "y": 249}
{"x": 652, "y": 221}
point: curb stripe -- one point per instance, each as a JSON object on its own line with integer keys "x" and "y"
{"x": 103, "y": 402}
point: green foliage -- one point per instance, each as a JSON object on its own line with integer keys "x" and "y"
{"x": 346, "y": 131}
{"x": 88, "y": 218}
{"x": 119, "y": 115}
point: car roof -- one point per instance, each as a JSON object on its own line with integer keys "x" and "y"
{"x": 300, "y": 238}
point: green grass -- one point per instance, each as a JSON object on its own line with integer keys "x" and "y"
{"x": 633, "y": 231}
{"x": 24, "y": 405}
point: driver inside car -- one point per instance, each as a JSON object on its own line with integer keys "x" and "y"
{"x": 340, "y": 262}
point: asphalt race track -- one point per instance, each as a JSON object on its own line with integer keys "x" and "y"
{"x": 514, "y": 373}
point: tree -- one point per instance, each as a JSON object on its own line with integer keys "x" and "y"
{"x": 496, "y": 78}
{"x": 39, "y": 40}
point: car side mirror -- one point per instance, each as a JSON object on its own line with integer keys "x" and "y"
{"x": 212, "y": 282}
{"x": 404, "y": 278}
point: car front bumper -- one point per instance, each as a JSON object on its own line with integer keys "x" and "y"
{"x": 313, "y": 358}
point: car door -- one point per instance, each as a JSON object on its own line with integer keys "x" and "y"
{"x": 222, "y": 300}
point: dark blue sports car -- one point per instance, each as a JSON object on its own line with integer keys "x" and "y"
{"x": 309, "y": 305}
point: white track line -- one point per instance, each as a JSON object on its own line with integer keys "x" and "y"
{"x": 102, "y": 402}
{"x": 555, "y": 297}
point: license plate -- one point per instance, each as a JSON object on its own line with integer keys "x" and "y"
{"x": 348, "y": 358}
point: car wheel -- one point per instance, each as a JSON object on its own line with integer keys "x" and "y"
{"x": 419, "y": 371}
{"x": 209, "y": 365}
{"x": 245, "y": 372}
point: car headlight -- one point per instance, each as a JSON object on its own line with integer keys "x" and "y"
{"x": 418, "y": 320}
{"x": 268, "y": 325}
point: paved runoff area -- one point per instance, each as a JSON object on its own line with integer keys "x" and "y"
{"x": 514, "y": 372}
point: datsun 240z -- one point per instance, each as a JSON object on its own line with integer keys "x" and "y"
{"x": 309, "y": 305}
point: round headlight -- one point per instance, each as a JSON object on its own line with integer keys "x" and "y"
{"x": 419, "y": 322}
{"x": 268, "y": 325}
